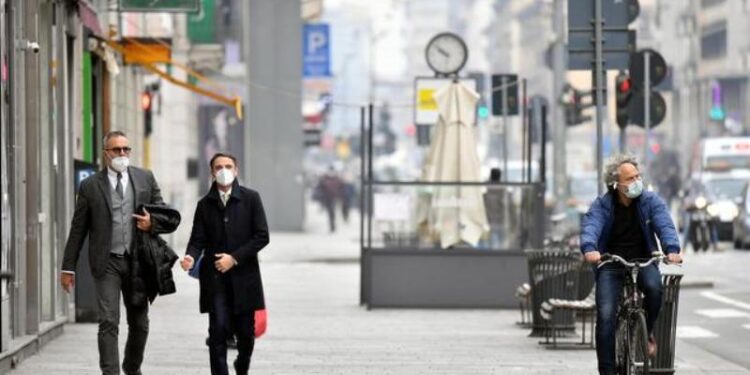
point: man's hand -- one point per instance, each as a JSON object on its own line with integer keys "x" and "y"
{"x": 143, "y": 222}
{"x": 67, "y": 280}
{"x": 592, "y": 257}
{"x": 187, "y": 262}
{"x": 675, "y": 258}
{"x": 224, "y": 262}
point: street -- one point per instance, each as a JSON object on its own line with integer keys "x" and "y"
{"x": 316, "y": 325}
{"x": 423, "y": 169}
{"x": 718, "y": 319}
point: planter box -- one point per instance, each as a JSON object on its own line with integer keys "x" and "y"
{"x": 455, "y": 278}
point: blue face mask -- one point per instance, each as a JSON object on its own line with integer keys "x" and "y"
{"x": 634, "y": 189}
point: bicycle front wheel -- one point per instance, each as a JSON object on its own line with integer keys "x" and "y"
{"x": 638, "y": 360}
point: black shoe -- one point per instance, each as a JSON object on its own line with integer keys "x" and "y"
{"x": 237, "y": 371}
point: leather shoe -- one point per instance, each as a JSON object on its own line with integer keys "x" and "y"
{"x": 651, "y": 347}
{"x": 237, "y": 369}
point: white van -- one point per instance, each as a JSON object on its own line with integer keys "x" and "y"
{"x": 724, "y": 154}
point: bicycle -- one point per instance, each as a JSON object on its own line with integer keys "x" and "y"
{"x": 631, "y": 337}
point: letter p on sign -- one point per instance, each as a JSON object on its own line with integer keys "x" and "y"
{"x": 316, "y": 40}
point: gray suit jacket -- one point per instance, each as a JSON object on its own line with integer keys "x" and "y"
{"x": 93, "y": 216}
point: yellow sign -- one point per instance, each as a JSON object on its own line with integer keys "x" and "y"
{"x": 426, "y": 101}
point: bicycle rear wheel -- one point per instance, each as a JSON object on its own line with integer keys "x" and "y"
{"x": 638, "y": 360}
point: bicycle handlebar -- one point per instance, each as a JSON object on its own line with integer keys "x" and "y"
{"x": 609, "y": 258}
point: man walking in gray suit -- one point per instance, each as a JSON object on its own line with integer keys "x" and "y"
{"x": 105, "y": 211}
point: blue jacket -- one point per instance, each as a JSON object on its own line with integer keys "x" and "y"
{"x": 655, "y": 221}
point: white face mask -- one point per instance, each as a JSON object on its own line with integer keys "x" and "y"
{"x": 225, "y": 177}
{"x": 634, "y": 189}
{"x": 120, "y": 163}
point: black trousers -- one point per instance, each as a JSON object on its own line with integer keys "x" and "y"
{"x": 222, "y": 324}
{"x": 108, "y": 290}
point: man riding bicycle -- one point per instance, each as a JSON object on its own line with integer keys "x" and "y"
{"x": 626, "y": 221}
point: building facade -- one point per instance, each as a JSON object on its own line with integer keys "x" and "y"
{"x": 61, "y": 90}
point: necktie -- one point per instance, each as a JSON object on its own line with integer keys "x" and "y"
{"x": 118, "y": 188}
{"x": 224, "y": 198}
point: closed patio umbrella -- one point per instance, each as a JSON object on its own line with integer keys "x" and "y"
{"x": 456, "y": 213}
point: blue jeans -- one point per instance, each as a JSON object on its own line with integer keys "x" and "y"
{"x": 609, "y": 283}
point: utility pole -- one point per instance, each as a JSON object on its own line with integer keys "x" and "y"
{"x": 504, "y": 84}
{"x": 559, "y": 129}
{"x": 647, "y": 107}
{"x": 598, "y": 94}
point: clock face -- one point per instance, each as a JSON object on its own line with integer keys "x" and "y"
{"x": 446, "y": 53}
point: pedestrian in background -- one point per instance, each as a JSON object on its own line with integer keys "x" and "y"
{"x": 105, "y": 212}
{"x": 229, "y": 229}
{"x": 329, "y": 191}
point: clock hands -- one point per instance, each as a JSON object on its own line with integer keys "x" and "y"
{"x": 443, "y": 52}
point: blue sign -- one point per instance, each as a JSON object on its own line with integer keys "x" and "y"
{"x": 82, "y": 170}
{"x": 316, "y": 53}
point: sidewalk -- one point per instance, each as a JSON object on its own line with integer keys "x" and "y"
{"x": 317, "y": 327}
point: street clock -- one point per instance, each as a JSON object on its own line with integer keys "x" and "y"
{"x": 446, "y": 54}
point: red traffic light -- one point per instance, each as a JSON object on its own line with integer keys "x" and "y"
{"x": 624, "y": 85}
{"x": 655, "y": 148}
{"x": 146, "y": 101}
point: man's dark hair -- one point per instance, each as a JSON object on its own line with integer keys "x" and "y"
{"x": 112, "y": 134}
{"x": 221, "y": 155}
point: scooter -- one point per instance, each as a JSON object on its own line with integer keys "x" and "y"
{"x": 700, "y": 226}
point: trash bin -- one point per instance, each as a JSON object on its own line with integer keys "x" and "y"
{"x": 586, "y": 280}
{"x": 666, "y": 326}
{"x": 553, "y": 274}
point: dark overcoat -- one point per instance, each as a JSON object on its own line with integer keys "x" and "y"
{"x": 93, "y": 217}
{"x": 239, "y": 229}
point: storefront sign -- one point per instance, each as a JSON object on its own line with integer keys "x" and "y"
{"x": 426, "y": 112}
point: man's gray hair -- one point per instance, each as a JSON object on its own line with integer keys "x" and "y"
{"x": 611, "y": 168}
{"x": 112, "y": 134}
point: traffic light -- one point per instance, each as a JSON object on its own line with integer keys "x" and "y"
{"x": 498, "y": 94}
{"x": 482, "y": 111}
{"x": 572, "y": 100}
{"x": 657, "y": 71}
{"x": 146, "y": 104}
{"x": 623, "y": 93}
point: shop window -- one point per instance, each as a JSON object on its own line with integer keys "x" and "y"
{"x": 714, "y": 41}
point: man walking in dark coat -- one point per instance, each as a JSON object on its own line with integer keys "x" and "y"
{"x": 229, "y": 229}
{"x": 105, "y": 212}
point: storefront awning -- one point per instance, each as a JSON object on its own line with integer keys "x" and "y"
{"x": 89, "y": 17}
{"x": 138, "y": 53}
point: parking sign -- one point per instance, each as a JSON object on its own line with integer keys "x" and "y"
{"x": 316, "y": 54}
